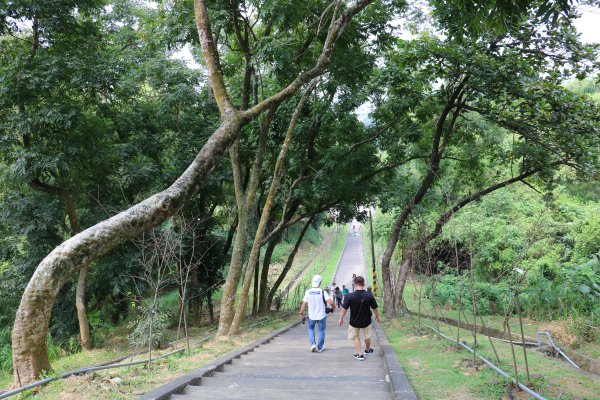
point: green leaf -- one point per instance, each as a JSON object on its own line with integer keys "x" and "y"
{"x": 584, "y": 289}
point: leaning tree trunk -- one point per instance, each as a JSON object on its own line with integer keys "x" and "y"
{"x": 289, "y": 262}
{"x": 32, "y": 319}
{"x": 437, "y": 149}
{"x": 67, "y": 198}
{"x": 439, "y": 225}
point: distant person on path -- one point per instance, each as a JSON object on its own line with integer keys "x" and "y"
{"x": 360, "y": 304}
{"x": 338, "y": 296}
{"x": 353, "y": 279}
{"x": 316, "y": 299}
{"x": 345, "y": 292}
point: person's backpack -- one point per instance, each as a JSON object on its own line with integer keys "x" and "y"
{"x": 327, "y": 308}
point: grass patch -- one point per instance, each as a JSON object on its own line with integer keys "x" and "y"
{"x": 131, "y": 382}
{"x": 327, "y": 257}
{"x": 530, "y": 327}
{"x": 437, "y": 370}
{"x": 283, "y": 249}
{"x": 5, "y": 379}
{"x": 330, "y": 261}
{"x": 281, "y": 252}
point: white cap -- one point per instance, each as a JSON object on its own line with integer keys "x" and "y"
{"x": 316, "y": 281}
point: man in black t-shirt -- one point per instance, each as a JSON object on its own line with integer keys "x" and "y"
{"x": 360, "y": 303}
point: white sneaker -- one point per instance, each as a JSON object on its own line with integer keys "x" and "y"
{"x": 313, "y": 348}
{"x": 321, "y": 349}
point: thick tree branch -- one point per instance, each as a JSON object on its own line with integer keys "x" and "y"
{"x": 442, "y": 220}
{"x": 211, "y": 57}
{"x": 335, "y": 30}
{"x": 426, "y": 183}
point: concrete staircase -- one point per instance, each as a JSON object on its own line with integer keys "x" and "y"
{"x": 281, "y": 365}
{"x": 284, "y": 368}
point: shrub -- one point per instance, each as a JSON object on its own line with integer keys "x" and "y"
{"x": 5, "y": 350}
{"x": 490, "y": 298}
{"x": 567, "y": 291}
{"x": 141, "y": 326}
{"x": 586, "y": 329}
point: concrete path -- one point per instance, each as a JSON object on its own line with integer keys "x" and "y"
{"x": 352, "y": 261}
{"x": 285, "y": 368}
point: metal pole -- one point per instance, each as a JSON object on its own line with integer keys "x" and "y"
{"x": 512, "y": 348}
{"x": 495, "y": 368}
{"x": 373, "y": 255}
{"x": 522, "y": 334}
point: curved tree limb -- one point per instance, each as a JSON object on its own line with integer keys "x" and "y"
{"x": 441, "y": 221}
{"x": 437, "y": 149}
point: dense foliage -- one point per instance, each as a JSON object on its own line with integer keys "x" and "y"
{"x": 476, "y": 149}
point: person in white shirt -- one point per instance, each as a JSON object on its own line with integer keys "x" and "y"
{"x": 331, "y": 291}
{"x": 316, "y": 299}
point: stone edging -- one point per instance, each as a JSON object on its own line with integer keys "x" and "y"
{"x": 401, "y": 387}
{"x": 194, "y": 377}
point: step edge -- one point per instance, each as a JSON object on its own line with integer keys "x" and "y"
{"x": 178, "y": 385}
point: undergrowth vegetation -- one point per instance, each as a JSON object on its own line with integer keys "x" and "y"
{"x": 546, "y": 248}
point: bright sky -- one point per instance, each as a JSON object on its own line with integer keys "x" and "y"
{"x": 589, "y": 24}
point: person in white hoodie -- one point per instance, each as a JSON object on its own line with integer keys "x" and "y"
{"x": 317, "y": 300}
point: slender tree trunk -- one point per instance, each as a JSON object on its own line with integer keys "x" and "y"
{"x": 255, "y": 294}
{"x": 264, "y": 276}
{"x": 211, "y": 311}
{"x": 289, "y": 262}
{"x": 266, "y": 212}
{"x": 196, "y": 300}
{"x": 84, "y": 326}
{"x": 229, "y": 239}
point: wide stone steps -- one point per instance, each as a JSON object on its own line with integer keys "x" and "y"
{"x": 231, "y": 381}
{"x": 285, "y": 368}
{"x": 310, "y": 391}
